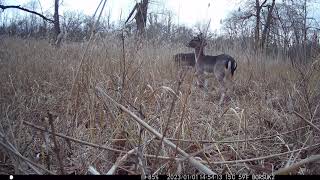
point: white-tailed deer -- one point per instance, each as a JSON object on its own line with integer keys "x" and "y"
{"x": 185, "y": 59}
{"x": 222, "y": 66}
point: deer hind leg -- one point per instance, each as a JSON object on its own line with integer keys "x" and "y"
{"x": 206, "y": 84}
{"x": 223, "y": 91}
{"x": 225, "y": 86}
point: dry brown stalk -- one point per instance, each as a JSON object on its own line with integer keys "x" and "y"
{"x": 56, "y": 148}
{"x": 172, "y": 106}
{"x": 46, "y": 140}
{"x": 83, "y": 57}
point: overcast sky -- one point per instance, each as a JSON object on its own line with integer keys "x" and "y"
{"x": 188, "y": 12}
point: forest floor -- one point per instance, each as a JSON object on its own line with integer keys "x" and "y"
{"x": 269, "y": 120}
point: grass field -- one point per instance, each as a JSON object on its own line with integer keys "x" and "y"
{"x": 263, "y": 125}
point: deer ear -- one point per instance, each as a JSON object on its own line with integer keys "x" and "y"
{"x": 200, "y": 36}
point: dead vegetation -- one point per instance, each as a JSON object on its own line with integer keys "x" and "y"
{"x": 269, "y": 121}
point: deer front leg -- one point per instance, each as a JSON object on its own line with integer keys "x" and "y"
{"x": 201, "y": 79}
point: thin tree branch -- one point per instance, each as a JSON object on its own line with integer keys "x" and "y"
{"x": 73, "y": 139}
{"x": 248, "y": 16}
{"x": 27, "y": 10}
{"x": 134, "y": 8}
{"x": 263, "y": 3}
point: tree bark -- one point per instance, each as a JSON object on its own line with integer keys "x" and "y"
{"x": 305, "y": 31}
{"x": 56, "y": 20}
{"x": 268, "y": 24}
{"x": 257, "y": 28}
{"x": 258, "y": 7}
{"x": 141, "y": 16}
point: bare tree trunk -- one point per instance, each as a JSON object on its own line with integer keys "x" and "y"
{"x": 141, "y": 20}
{"x": 258, "y": 7}
{"x": 57, "y": 31}
{"x": 257, "y": 28}
{"x": 305, "y": 31}
{"x": 314, "y": 44}
{"x": 169, "y": 24}
{"x": 141, "y": 16}
{"x": 268, "y": 24}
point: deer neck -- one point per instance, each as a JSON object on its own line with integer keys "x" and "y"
{"x": 198, "y": 52}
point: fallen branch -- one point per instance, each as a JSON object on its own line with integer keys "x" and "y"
{"x": 226, "y": 141}
{"x": 114, "y": 167}
{"x": 286, "y": 170}
{"x": 310, "y": 123}
{"x": 93, "y": 171}
{"x": 92, "y": 144}
{"x": 192, "y": 160}
{"x": 31, "y": 164}
{"x": 165, "y": 157}
{"x": 117, "y": 164}
{"x": 262, "y": 157}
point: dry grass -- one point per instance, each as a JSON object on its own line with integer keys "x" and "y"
{"x": 270, "y": 101}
